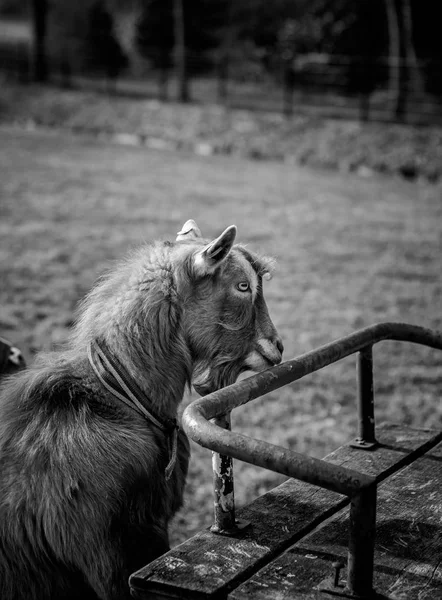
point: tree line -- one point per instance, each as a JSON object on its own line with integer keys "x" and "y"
{"x": 398, "y": 41}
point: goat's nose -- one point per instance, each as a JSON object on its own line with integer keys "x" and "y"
{"x": 278, "y": 343}
{"x": 279, "y": 349}
{"x": 271, "y": 350}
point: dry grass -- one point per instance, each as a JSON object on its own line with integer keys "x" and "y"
{"x": 351, "y": 252}
{"x": 344, "y": 145}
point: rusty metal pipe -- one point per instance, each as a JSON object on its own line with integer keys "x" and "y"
{"x": 361, "y": 543}
{"x": 366, "y": 432}
{"x": 233, "y": 396}
{"x": 223, "y": 485}
{"x": 275, "y": 458}
{"x": 197, "y": 414}
{"x": 361, "y": 488}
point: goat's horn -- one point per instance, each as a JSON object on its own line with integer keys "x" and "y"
{"x": 188, "y": 231}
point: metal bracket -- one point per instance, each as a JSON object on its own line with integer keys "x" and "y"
{"x": 240, "y": 526}
{"x": 361, "y": 444}
{"x": 332, "y": 586}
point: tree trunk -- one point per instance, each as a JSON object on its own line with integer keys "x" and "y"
{"x": 403, "y": 80}
{"x": 180, "y": 51}
{"x": 125, "y": 28}
{"x": 394, "y": 46}
{"x": 414, "y": 75}
{"x": 225, "y": 55}
{"x": 39, "y": 59}
{"x": 163, "y": 75}
{"x": 397, "y": 63}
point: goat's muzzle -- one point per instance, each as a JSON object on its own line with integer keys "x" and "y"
{"x": 267, "y": 353}
{"x": 271, "y": 350}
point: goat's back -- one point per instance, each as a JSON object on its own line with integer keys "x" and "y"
{"x": 80, "y": 476}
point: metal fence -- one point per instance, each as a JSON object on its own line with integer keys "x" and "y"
{"x": 207, "y": 422}
{"x": 353, "y": 87}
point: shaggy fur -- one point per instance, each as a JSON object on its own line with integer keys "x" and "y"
{"x": 83, "y": 497}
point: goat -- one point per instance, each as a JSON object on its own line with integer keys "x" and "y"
{"x": 91, "y": 466}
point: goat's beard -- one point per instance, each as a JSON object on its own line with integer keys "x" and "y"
{"x": 208, "y": 377}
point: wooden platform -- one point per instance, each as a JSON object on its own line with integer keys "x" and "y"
{"x": 298, "y": 531}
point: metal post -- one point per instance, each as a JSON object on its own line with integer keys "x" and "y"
{"x": 366, "y": 433}
{"x": 223, "y": 488}
{"x": 224, "y": 497}
{"x": 361, "y": 543}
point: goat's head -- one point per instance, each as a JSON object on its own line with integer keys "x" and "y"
{"x": 226, "y": 322}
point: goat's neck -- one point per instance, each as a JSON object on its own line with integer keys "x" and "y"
{"x": 162, "y": 378}
{"x": 135, "y": 312}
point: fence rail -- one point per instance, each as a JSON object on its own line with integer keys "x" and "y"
{"x": 361, "y": 488}
{"x": 354, "y": 87}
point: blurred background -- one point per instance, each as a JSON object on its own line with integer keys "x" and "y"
{"x": 313, "y": 125}
{"x": 379, "y": 59}
{"x": 288, "y": 65}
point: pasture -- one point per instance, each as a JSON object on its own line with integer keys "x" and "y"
{"x": 350, "y": 252}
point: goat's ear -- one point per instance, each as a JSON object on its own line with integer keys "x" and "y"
{"x": 189, "y": 231}
{"x": 206, "y": 260}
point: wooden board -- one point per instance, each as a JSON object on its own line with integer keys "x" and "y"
{"x": 408, "y": 553}
{"x": 210, "y": 566}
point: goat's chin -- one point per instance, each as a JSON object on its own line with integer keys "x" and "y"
{"x": 256, "y": 362}
{"x": 210, "y": 386}
{"x": 210, "y": 380}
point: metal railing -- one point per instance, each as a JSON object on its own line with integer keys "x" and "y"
{"x": 360, "y": 488}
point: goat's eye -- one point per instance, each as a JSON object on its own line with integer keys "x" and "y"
{"x": 243, "y": 286}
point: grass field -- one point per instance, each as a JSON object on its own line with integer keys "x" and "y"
{"x": 351, "y": 252}
{"x": 348, "y": 146}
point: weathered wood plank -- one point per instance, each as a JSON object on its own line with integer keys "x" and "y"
{"x": 408, "y": 553}
{"x": 209, "y": 566}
